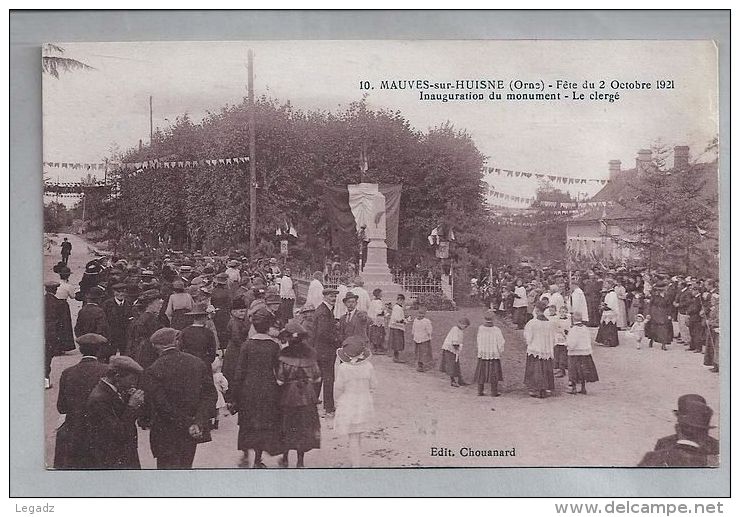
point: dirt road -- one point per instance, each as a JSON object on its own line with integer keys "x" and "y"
{"x": 614, "y": 425}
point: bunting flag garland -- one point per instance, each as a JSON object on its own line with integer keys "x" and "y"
{"x": 553, "y": 178}
{"x": 70, "y": 165}
{"x": 77, "y": 188}
{"x": 150, "y": 164}
{"x": 565, "y": 205}
{"x": 68, "y": 194}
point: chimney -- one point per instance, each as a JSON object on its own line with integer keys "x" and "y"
{"x": 615, "y": 167}
{"x": 681, "y": 157}
{"x": 644, "y": 157}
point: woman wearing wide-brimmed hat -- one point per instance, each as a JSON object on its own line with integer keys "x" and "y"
{"x": 353, "y": 385}
{"x": 298, "y": 373}
{"x": 256, "y": 393}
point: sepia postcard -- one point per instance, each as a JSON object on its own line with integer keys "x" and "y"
{"x": 382, "y": 254}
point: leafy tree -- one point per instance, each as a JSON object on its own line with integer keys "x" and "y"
{"x": 677, "y": 213}
{"x": 56, "y": 217}
{"x": 52, "y": 61}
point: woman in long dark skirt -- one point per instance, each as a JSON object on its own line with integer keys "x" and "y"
{"x": 661, "y": 327}
{"x": 297, "y": 374}
{"x": 608, "y": 334}
{"x": 257, "y": 395}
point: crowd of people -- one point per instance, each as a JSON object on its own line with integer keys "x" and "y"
{"x": 653, "y": 307}
{"x": 173, "y": 344}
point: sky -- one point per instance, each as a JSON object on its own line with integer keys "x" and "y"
{"x": 86, "y": 114}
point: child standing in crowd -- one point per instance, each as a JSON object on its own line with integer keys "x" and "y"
{"x": 421, "y": 333}
{"x": 397, "y": 328}
{"x": 222, "y": 386}
{"x": 355, "y": 380}
{"x": 581, "y": 367}
{"x": 560, "y": 353}
{"x": 376, "y": 331}
{"x": 638, "y": 330}
{"x": 490, "y": 347}
{"x": 539, "y": 333}
{"x": 451, "y": 349}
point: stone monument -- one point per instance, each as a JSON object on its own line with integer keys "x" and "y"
{"x": 368, "y": 206}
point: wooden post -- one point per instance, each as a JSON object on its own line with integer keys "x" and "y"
{"x": 151, "y": 125}
{"x": 252, "y": 158}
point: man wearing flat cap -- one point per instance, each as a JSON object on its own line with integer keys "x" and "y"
{"x": 140, "y": 348}
{"x": 181, "y": 399}
{"x": 117, "y": 313}
{"x": 75, "y": 385}
{"x": 91, "y": 318}
{"x": 325, "y": 342}
{"x": 111, "y": 412}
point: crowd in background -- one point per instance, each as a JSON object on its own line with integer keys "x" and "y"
{"x": 658, "y": 306}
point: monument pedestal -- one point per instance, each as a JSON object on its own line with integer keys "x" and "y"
{"x": 376, "y": 273}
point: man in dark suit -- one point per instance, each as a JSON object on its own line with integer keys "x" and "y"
{"x": 181, "y": 398}
{"x": 325, "y": 342}
{"x": 592, "y": 290}
{"x": 53, "y": 323}
{"x": 66, "y": 250}
{"x": 697, "y": 326}
{"x": 354, "y": 322}
{"x": 708, "y": 443}
{"x": 221, "y": 299}
{"x": 147, "y": 323}
{"x": 198, "y": 340}
{"x": 91, "y": 318}
{"x": 117, "y": 314}
{"x": 687, "y": 450}
{"x": 682, "y": 302}
{"x": 75, "y": 385}
{"x": 111, "y": 412}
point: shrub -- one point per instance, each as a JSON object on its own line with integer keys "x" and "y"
{"x": 435, "y": 302}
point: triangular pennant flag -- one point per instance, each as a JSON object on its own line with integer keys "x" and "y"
{"x": 221, "y": 161}
{"x": 228, "y": 161}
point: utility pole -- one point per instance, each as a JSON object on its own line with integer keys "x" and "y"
{"x": 252, "y": 158}
{"x": 151, "y": 125}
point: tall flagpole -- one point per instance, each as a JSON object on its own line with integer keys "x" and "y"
{"x": 252, "y": 158}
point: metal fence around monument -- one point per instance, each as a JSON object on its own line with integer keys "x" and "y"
{"x": 414, "y": 284}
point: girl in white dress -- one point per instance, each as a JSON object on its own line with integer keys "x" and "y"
{"x": 353, "y": 385}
